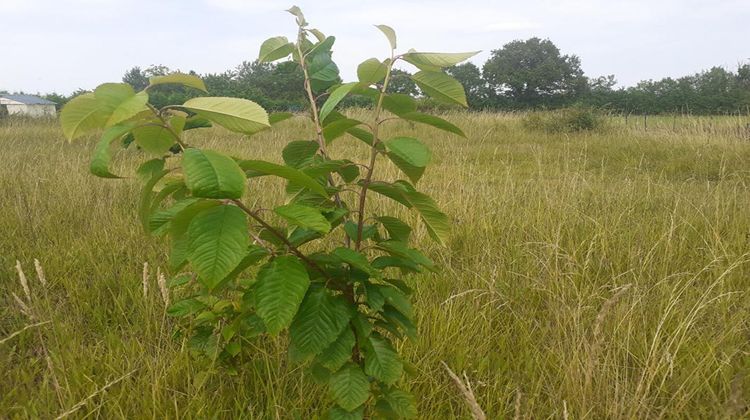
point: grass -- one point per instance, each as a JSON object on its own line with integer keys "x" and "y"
{"x": 593, "y": 275}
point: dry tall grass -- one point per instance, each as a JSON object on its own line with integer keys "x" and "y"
{"x": 548, "y": 229}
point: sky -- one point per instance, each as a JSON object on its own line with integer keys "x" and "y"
{"x": 63, "y": 45}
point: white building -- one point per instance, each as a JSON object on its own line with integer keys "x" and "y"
{"x": 27, "y": 105}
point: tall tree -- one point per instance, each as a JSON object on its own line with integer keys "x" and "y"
{"x": 533, "y": 73}
{"x": 471, "y": 78}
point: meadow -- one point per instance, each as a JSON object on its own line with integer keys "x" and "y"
{"x": 600, "y": 274}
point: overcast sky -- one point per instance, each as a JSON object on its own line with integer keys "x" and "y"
{"x": 62, "y": 45}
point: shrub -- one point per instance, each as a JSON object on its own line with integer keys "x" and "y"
{"x": 566, "y": 120}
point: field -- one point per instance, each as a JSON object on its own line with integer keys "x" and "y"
{"x": 589, "y": 275}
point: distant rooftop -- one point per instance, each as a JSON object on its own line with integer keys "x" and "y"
{"x": 28, "y": 99}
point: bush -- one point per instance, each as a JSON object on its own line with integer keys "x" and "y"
{"x": 566, "y": 120}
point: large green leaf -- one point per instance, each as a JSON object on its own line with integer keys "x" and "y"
{"x": 399, "y": 402}
{"x": 299, "y": 153}
{"x": 128, "y": 109}
{"x": 435, "y": 61}
{"x": 401, "y": 250}
{"x": 81, "y": 115}
{"x": 188, "y": 80}
{"x": 338, "y": 128}
{"x": 100, "y": 160}
{"x": 178, "y": 231}
{"x": 320, "y": 320}
{"x": 389, "y": 33}
{"x": 211, "y": 174}
{"x": 218, "y": 241}
{"x": 154, "y": 138}
{"x": 399, "y": 103}
{"x": 338, "y": 413}
{"x": 339, "y": 352}
{"x": 433, "y": 121}
{"x": 381, "y": 360}
{"x": 440, "y": 86}
{"x": 410, "y": 155}
{"x": 336, "y": 96}
{"x": 234, "y": 114}
{"x": 294, "y": 175}
{"x": 303, "y": 216}
{"x": 349, "y": 387}
{"x": 355, "y": 259}
{"x": 437, "y": 223}
{"x": 280, "y": 288}
{"x": 371, "y": 71}
{"x": 397, "y": 229}
{"x": 391, "y": 191}
{"x": 274, "y": 49}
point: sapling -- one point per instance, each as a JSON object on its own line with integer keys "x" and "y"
{"x": 343, "y": 306}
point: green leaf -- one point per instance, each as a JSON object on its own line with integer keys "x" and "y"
{"x": 185, "y": 307}
{"x": 338, "y": 128}
{"x": 368, "y": 231}
{"x": 397, "y": 229}
{"x": 440, "y": 86}
{"x": 389, "y": 33}
{"x": 100, "y": 160}
{"x": 280, "y": 288}
{"x": 293, "y": 175}
{"x": 381, "y": 360}
{"x": 435, "y": 61}
{"x": 338, "y": 413}
{"x": 339, "y": 352}
{"x": 399, "y": 249}
{"x": 410, "y": 155}
{"x": 147, "y": 195}
{"x": 401, "y": 403}
{"x": 320, "y": 320}
{"x": 391, "y": 191}
{"x": 155, "y": 139}
{"x": 211, "y": 174}
{"x": 274, "y": 49}
{"x": 299, "y": 153}
{"x": 303, "y": 216}
{"x": 437, "y": 223}
{"x": 158, "y": 222}
{"x": 371, "y": 71}
{"x": 81, "y": 115}
{"x": 188, "y": 80}
{"x": 298, "y": 13}
{"x": 433, "y": 121}
{"x": 128, "y": 109}
{"x": 178, "y": 228}
{"x": 234, "y": 114}
{"x": 349, "y": 387}
{"x": 355, "y": 259}
{"x": 394, "y": 317}
{"x": 397, "y": 299}
{"x": 218, "y": 241}
{"x": 278, "y": 117}
{"x": 399, "y": 103}
{"x": 323, "y": 72}
{"x": 336, "y": 96}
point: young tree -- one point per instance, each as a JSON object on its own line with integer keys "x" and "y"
{"x": 325, "y": 267}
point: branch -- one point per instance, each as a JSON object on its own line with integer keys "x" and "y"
{"x": 281, "y": 237}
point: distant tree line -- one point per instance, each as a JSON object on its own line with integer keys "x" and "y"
{"x": 523, "y": 74}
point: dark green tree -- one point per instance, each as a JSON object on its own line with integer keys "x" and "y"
{"x": 477, "y": 92}
{"x": 533, "y": 73}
